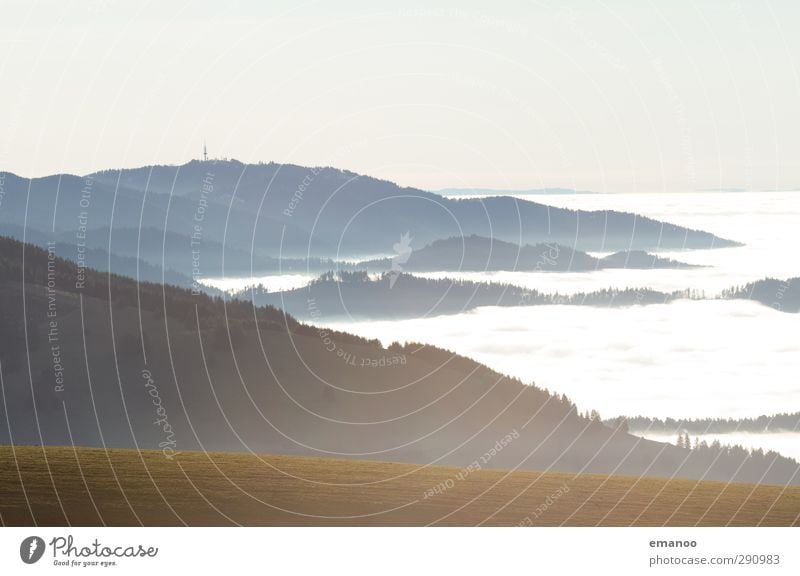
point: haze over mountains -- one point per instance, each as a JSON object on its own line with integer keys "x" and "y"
{"x": 98, "y": 360}
{"x": 263, "y": 211}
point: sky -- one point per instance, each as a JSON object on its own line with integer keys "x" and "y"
{"x": 610, "y": 96}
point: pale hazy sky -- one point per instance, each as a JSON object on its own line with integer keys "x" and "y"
{"x": 610, "y": 95}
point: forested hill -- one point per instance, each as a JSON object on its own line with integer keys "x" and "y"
{"x": 783, "y": 295}
{"x": 477, "y": 253}
{"x": 785, "y": 422}
{"x": 356, "y": 295}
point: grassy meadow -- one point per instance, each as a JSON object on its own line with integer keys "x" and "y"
{"x": 87, "y": 486}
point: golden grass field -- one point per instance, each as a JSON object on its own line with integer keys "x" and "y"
{"x": 86, "y": 486}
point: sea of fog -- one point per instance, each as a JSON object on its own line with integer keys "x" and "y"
{"x": 685, "y": 359}
{"x": 768, "y": 223}
{"x": 272, "y": 283}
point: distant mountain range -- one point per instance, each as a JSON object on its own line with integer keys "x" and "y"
{"x": 93, "y": 359}
{"x": 479, "y": 254}
{"x": 359, "y": 295}
{"x": 223, "y": 217}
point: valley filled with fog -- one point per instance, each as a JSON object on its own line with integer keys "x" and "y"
{"x": 684, "y": 359}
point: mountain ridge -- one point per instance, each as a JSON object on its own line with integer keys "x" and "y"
{"x": 293, "y": 211}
